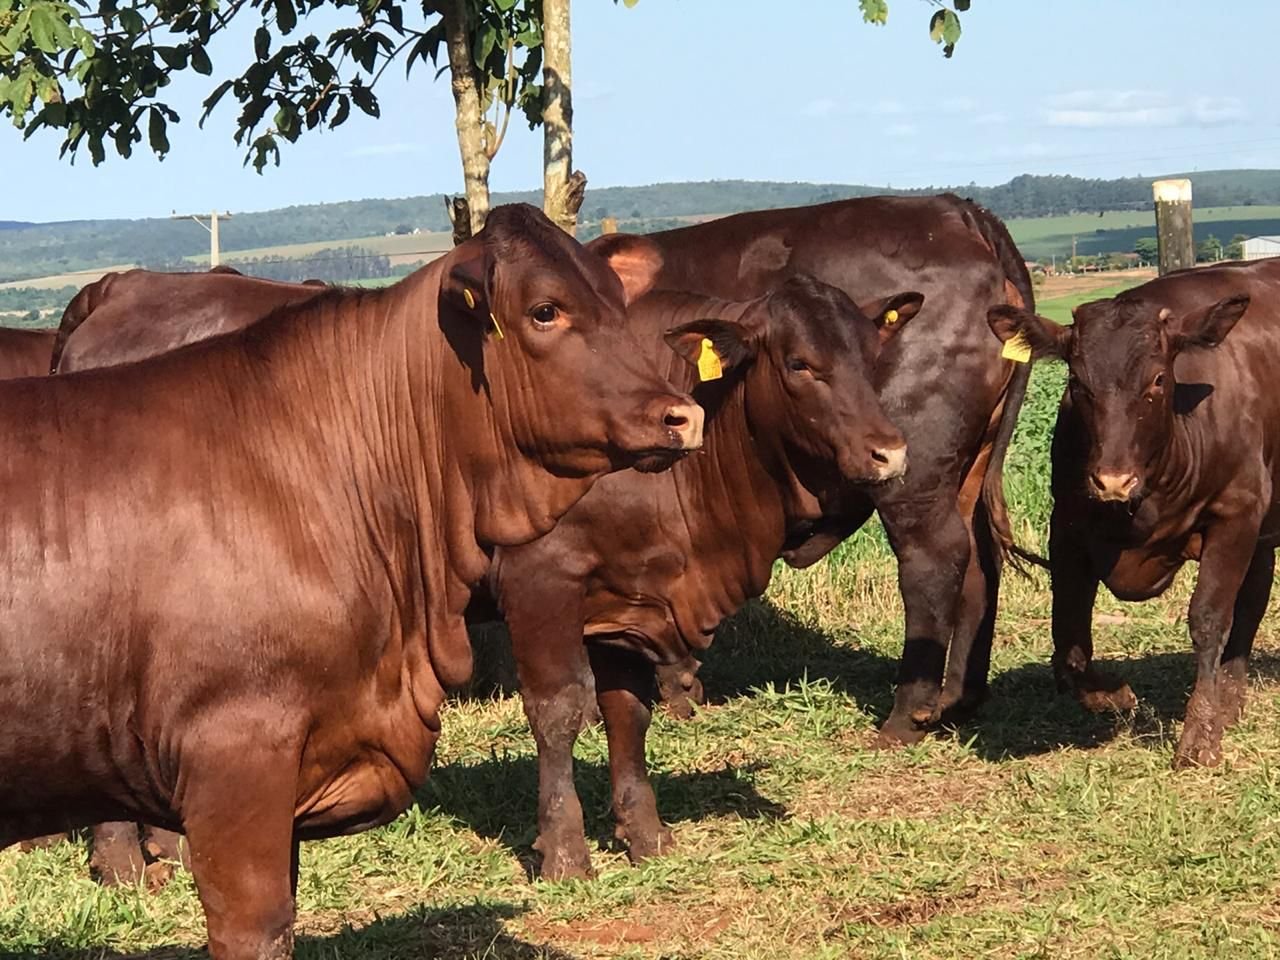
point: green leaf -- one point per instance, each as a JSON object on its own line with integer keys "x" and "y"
{"x": 200, "y": 62}
{"x": 132, "y": 21}
{"x": 43, "y": 23}
{"x": 504, "y": 5}
{"x": 875, "y": 11}
{"x": 262, "y": 43}
{"x": 363, "y": 98}
{"x": 950, "y": 28}
{"x": 156, "y": 133}
{"x": 286, "y": 16}
{"x": 935, "y": 26}
{"x": 962, "y": 5}
{"x": 629, "y": 3}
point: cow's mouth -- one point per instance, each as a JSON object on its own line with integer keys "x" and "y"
{"x": 658, "y": 459}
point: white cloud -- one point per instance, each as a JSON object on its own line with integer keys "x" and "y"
{"x": 993, "y": 119}
{"x": 829, "y": 107}
{"x": 384, "y": 149}
{"x": 959, "y": 105}
{"x": 822, "y": 107}
{"x": 902, "y": 130}
{"x": 1139, "y": 108}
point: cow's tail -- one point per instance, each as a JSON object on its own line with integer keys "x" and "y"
{"x": 77, "y": 312}
{"x": 1017, "y": 288}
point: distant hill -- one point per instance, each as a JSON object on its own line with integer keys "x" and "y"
{"x": 33, "y": 250}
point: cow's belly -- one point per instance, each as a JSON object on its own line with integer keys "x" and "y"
{"x": 1142, "y": 575}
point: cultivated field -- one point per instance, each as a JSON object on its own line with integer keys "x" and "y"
{"x": 1035, "y": 832}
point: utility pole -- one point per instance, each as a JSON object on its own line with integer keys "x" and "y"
{"x": 1073, "y": 253}
{"x": 211, "y": 226}
{"x": 1173, "y": 225}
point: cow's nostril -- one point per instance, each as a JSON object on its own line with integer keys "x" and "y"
{"x": 879, "y": 456}
{"x": 675, "y": 420}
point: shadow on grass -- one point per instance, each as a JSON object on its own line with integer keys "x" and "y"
{"x": 459, "y": 933}
{"x": 498, "y": 798}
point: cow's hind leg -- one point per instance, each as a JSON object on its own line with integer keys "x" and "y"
{"x": 1251, "y": 605}
{"x": 116, "y": 858}
{"x": 969, "y": 659}
{"x": 625, "y": 692}
{"x": 679, "y": 688}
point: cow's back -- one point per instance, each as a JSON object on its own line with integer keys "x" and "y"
{"x": 25, "y": 353}
{"x": 130, "y": 316}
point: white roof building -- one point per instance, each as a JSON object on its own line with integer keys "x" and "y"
{"x": 1255, "y": 248}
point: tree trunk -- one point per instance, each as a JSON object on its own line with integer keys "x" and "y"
{"x": 563, "y": 188}
{"x": 470, "y": 120}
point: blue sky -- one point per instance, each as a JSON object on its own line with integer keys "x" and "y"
{"x": 713, "y": 89}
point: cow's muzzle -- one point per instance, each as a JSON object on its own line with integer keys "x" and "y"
{"x": 1113, "y": 487}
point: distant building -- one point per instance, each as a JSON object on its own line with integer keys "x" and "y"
{"x": 1255, "y": 248}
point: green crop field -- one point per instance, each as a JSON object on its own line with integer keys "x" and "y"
{"x": 1116, "y": 231}
{"x": 1036, "y": 831}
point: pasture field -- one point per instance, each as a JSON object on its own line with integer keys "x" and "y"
{"x": 1116, "y": 231}
{"x": 1037, "y": 831}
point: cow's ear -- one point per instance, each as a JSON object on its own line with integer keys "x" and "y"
{"x": 1205, "y": 328}
{"x": 468, "y": 278}
{"x": 713, "y": 346}
{"x": 891, "y": 314}
{"x": 1029, "y": 331}
{"x": 636, "y": 260}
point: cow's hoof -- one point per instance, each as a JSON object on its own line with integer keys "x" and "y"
{"x": 1100, "y": 693}
{"x": 896, "y": 737}
{"x": 564, "y": 862}
{"x": 42, "y": 843}
{"x": 1231, "y": 699}
{"x": 648, "y": 844}
{"x": 1196, "y": 748}
{"x": 158, "y": 874}
{"x": 166, "y": 845}
{"x": 957, "y": 709}
{"x": 121, "y": 865}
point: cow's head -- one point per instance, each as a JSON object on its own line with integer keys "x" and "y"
{"x": 541, "y": 322}
{"x": 1120, "y": 355}
{"x": 808, "y": 354}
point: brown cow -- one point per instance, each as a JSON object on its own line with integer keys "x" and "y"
{"x": 245, "y": 626}
{"x": 25, "y": 353}
{"x": 120, "y": 318}
{"x": 943, "y": 383}
{"x": 1165, "y": 451}
{"x": 140, "y": 313}
{"x": 644, "y": 568}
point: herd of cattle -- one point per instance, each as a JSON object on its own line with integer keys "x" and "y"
{"x": 246, "y": 523}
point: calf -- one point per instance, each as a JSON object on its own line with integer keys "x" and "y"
{"x": 644, "y": 568}
{"x": 1166, "y": 450}
{"x": 245, "y": 626}
{"x": 943, "y": 383}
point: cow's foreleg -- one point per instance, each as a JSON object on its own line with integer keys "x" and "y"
{"x": 1251, "y": 605}
{"x": 1075, "y": 590}
{"x": 625, "y": 692}
{"x": 546, "y": 636}
{"x": 679, "y": 688}
{"x": 116, "y": 858}
{"x": 932, "y": 546}
{"x": 237, "y": 809}
{"x": 1226, "y": 559}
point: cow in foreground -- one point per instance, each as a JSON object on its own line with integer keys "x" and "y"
{"x": 245, "y": 626}
{"x": 1166, "y": 450}
{"x": 644, "y": 568}
{"x": 943, "y": 383}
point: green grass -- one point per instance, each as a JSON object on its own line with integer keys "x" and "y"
{"x": 1037, "y": 831}
{"x": 1116, "y": 231}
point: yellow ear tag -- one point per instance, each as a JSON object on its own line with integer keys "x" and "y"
{"x": 468, "y": 296}
{"x": 709, "y": 366}
{"x": 890, "y": 317}
{"x": 1017, "y": 349}
{"x": 496, "y": 329}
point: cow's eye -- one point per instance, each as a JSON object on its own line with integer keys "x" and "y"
{"x": 544, "y": 314}
{"x": 1158, "y": 381}
{"x": 796, "y": 365}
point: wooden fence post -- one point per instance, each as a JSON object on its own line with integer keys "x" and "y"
{"x": 608, "y": 224}
{"x": 1173, "y": 225}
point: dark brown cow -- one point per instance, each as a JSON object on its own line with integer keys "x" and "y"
{"x": 644, "y": 568}
{"x": 140, "y": 313}
{"x": 25, "y": 353}
{"x": 1167, "y": 449}
{"x": 943, "y": 383}
{"x": 245, "y": 626}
